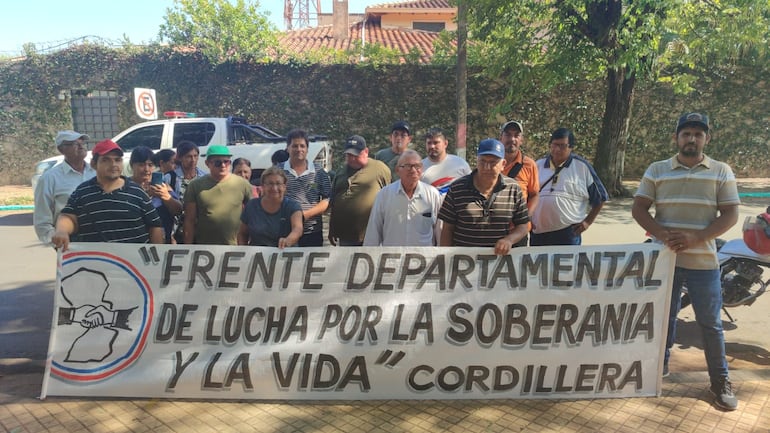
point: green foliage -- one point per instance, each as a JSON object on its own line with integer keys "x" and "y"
{"x": 222, "y": 30}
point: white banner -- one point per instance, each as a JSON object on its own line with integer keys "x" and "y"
{"x": 220, "y": 322}
{"x": 145, "y": 103}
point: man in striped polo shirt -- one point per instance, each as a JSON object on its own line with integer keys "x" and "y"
{"x": 696, "y": 200}
{"x": 307, "y": 184}
{"x": 108, "y": 207}
{"x": 485, "y": 208}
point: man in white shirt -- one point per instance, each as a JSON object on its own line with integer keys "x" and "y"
{"x": 405, "y": 212}
{"x": 441, "y": 169}
{"x": 54, "y": 188}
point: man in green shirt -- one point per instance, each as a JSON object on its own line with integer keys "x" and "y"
{"x": 400, "y": 137}
{"x": 353, "y": 192}
{"x": 213, "y": 203}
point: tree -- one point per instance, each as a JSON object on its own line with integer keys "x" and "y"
{"x": 538, "y": 44}
{"x": 222, "y": 30}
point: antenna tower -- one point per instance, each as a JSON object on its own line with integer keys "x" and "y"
{"x": 297, "y": 14}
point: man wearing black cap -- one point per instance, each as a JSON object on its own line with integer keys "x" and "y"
{"x": 400, "y": 137}
{"x": 354, "y": 190}
{"x": 696, "y": 200}
{"x": 108, "y": 207}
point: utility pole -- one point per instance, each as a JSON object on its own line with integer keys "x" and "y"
{"x": 462, "y": 80}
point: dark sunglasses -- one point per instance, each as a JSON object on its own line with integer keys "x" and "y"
{"x": 220, "y": 162}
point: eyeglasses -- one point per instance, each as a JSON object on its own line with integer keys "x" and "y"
{"x": 274, "y": 185}
{"x": 487, "y": 164}
{"x": 220, "y": 162}
{"x": 417, "y": 167}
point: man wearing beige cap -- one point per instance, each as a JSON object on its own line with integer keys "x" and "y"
{"x": 109, "y": 207}
{"x": 54, "y": 187}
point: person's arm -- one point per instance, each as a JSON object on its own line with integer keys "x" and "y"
{"x": 296, "y": 231}
{"x": 503, "y": 245}
{"x": 589, "y": 219}
{"x": 243, "y": 234}
{"x": 318, "y": 209}
{"x": 447, "y": 235}
{"x": 156, "y": 235}
{"x": 66, "y": 224}
{"x": 163, "y": 192}
{"x": 533, "y": 197}
{"x": 373, "y": 236}
{"x": 43, "y": 214}
{"x": 190, "y": 218}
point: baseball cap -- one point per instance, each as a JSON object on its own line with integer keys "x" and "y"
{"x": 106, "y": 146}
{"x": 218, "y": 150}
{"x": 490, "y": 146}
{"x": 402, "y": 125}
{"x": 693, "y": 119}
{"x": 511, "y": 123}
{"x": 355, "y": 144}
{"x": 69, "y": 135}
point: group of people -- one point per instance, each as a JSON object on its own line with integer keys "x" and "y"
{"x": 398, "y": 198}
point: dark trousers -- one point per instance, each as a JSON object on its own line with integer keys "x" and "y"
{"x": 311, "y": 239}
{"x": 565, "y": 236}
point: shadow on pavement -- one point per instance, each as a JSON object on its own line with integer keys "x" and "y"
{"x": 688, "y": 337}
{"x": 16, "y": 219}
{"x": 25, "y": 321}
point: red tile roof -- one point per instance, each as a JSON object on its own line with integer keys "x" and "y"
{"x": 419, "y": 4}
{"x": 400, "y": 39}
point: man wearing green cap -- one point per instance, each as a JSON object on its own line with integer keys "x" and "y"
{"x": 213, "y": 203}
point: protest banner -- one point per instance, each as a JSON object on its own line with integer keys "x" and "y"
{"x": 220, "y": 322}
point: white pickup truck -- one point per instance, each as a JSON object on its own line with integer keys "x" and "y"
{"x": 253, "y": 142}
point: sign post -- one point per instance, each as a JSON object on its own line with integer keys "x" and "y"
{"x": 146, "y": 106}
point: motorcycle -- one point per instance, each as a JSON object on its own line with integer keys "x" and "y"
{"x": 742, "y": 270}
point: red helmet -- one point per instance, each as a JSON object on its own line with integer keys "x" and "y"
{"x": 756, "y": 234}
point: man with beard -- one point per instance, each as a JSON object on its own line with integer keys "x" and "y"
{"x": 108, "y": 207}
{"x": 696, "y": 200}
{"x": 440, "y": 169}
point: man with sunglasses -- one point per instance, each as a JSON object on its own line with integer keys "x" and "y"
{"x": 213, "y": 203}
{"x": 56, "y": 185}
{"x": 485, "y": 208}
{"x": 696, "y": 199}
{"x": 571, "y": 194}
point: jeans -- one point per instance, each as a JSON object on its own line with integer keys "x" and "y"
{"x": 565, "y": 236}
{"x": 705, "y": 290}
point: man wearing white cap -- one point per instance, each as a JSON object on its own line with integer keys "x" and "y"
{"x": 56, "y": 185}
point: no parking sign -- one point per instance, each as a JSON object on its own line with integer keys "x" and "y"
{"x": 146, "y": 106}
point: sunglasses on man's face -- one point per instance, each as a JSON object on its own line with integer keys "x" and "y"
{"x": 220, "y": 162}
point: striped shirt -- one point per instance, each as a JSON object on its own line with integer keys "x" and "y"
{"x": 689, "y": 198}
{"x": 308, "y": 188}
{"x": 480, "y": 222}
{"x": 123, "y": 215}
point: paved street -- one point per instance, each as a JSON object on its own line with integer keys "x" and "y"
{"x": 27, "y": 273}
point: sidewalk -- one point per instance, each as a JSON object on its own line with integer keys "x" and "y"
{"x": 684, "y": 407}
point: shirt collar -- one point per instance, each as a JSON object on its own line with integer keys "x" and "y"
{"x": 565, "y": 165}
{"x": 705, "y": 162}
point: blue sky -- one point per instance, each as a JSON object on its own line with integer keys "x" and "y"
{"x": 51, "y": 22}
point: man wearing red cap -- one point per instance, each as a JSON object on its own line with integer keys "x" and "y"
{"x": 109, "y": 207}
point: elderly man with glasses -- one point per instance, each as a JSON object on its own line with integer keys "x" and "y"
{"x": 213, "y": 203}
{"x": 56, "y": 185}
{"x": 405, "y": 213}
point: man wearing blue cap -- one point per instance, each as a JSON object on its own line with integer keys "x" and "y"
{"x": 485, "y": 208}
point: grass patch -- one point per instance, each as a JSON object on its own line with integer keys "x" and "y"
{"x": 17, "y": 201}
